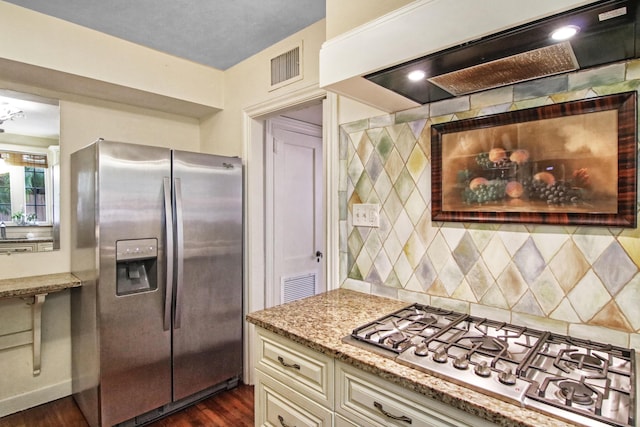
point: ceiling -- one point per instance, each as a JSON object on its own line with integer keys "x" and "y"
{"x": 36, "y": 116}
{"x": 217, "y": 33}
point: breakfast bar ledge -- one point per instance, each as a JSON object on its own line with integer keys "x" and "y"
{"x": 36, "y": 287}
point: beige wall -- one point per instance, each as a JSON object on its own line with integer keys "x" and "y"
{"x": 343, "y": 15}
{"x": 247, "y": 84}
{"x": 59, "y": 46}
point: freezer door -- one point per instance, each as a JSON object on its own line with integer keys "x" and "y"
{"x": 207, "y": 335}
{"x": 135, "y": 348}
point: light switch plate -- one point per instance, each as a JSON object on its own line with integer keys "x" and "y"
{"x": 366, "y": 215}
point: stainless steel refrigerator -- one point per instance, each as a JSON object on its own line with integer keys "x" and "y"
{"x": 157, "y": 242}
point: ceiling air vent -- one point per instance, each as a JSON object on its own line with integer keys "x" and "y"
{"x": 286, "y": 68}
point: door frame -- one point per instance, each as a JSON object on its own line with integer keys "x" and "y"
{"x": 253, "y": 153}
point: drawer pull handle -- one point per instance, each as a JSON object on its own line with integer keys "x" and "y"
{"x": 282, "y": 423}
{"x": 393, "y": 417}
{"x": 288, "y": 365}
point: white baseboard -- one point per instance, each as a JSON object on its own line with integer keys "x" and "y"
{"x": 33, "y": 398}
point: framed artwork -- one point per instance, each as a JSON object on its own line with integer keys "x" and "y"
{"x": 569, "y": 163}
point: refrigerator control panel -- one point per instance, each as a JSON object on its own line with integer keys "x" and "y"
{"x": 136, "y": 249}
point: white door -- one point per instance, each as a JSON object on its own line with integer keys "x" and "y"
{"x": 294, "y": 210}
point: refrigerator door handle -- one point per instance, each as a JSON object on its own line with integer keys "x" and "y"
{"x": 168, "y": 219}
{"x": 179, "y": 253}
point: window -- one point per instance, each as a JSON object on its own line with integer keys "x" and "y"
{"x": 24, "y": 183}
{"x": 5, "y": 197}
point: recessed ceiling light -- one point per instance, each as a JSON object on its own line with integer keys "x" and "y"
{"x": 416, "y": 75}
{"x": 564, "y": 33}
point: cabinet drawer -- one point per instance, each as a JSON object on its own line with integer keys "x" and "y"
{"x": 366, "y": 400}
{"x": 279, "y": 406}
{"x": 300, "y": 368}
{"x": 10, "y": 248}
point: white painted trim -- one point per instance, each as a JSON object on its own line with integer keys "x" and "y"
{"x": 33, "y": 398}
{"x": 331, "y": 159}
{"x": 253, "y": 138}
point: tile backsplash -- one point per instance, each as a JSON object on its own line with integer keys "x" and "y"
{"x": 582, "y": 281}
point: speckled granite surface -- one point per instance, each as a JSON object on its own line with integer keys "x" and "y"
{"x": 27, "y": 286}
{"x": 21, "y": 240}
{"x": 320, "y": 323}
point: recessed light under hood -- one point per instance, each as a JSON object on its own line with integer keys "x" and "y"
{"x": 609, "y": 31}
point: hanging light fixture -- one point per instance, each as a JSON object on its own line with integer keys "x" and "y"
{"x": 8, "y": 112}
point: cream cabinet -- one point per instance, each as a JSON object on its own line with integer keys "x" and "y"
{"x": 296, "y": 386}
{"x": 365, "y": 400}
{"x": 280, "y": 406}
{"x": 10, "y": 248}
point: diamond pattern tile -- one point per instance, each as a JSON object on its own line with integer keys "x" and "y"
{"x": 451, "y": 276}
{"x": 384, "y": 145}
{"x": 415, "y": 206}
{"x": 393, "y": 164}
{"x": 615, "y": 268}
{"x": 592, "y": 243}
{"x": 496, "y": 256}
{"x": 611, "y": 316}
{"x": 392, "y": 246}
{"x": 463, "y": 292}
{"x": 363, "y": 187}
{"x": 405, "y": 142}
{"x": 466, "y": 254}
{"x": 565, "y": 312}
{"x": 548, "y": 240}
{"x": 383, "y": 187}
{"x": 416, "y": 163}
{"x": 404, "y": 185}
{"x": 529, "y": 305}
{"x": 513, "y": 236}
{"x": 628, "y": 300}
{"x": 364, "y": 148}
{"x": 438, "y": 252}
{"x": 453, "y": 234}
{"x": 402, "y": 269}
{"x": 529, "y": 261}
{"x": 512, "y": 284}
{"x": 569, "y": 254}
{"x": 494, "y": 298}
{"x": 403, "y": 227}
{"x": 393, "y": 206}
{"x": 373, "y": 244}
{"x": 589, "y": 296}
{"x": 374, "y": 167}
{"x": 547, "y": 291}
{"x": 414, "y": 250}
{"x": 584, "y": 279}
{"x": 426, "y": 272}
{"x": 479, "y": 279}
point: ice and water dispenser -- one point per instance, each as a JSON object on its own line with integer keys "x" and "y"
{"x": 137, "y": 266}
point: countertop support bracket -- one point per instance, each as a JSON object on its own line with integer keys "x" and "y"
{"x": 36, "y": 313}
{"x": 37, "y": 287}
{"x": 31, "y": 336}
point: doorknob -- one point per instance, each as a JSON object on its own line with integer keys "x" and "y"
{"x": 319, "y": 255}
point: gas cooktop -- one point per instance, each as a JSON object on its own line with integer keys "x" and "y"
{"x": 579, "y": 380}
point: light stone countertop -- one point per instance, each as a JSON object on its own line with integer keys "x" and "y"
{"x": 320, "y": 322}
{"x": 35, "y": 285}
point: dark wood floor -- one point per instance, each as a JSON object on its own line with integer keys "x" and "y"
{"x": 229, "y": 408}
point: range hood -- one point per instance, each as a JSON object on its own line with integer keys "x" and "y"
{"x": 467, "y": 49}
